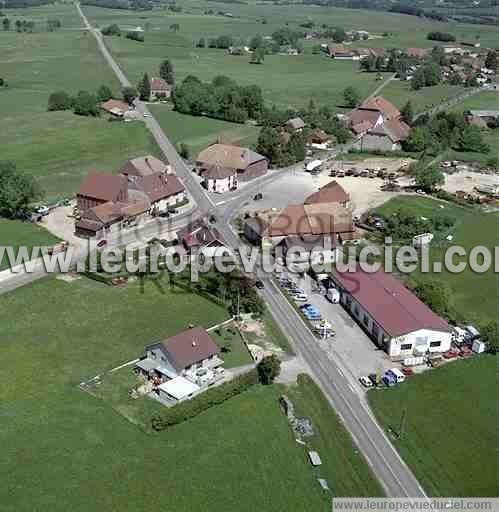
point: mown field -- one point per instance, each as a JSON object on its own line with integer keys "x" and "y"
{"x": 84, "y": 456}
{"x": 486, "y": 100}
{"x": 450, "y": 436}
{"x": 199, "y": 132}
{"x": 472, "y": 228}
{"x": 59, "y": 148}
{"x": 17, "y": 234}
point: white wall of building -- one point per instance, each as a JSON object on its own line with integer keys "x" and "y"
{"x": 221, "y": 185}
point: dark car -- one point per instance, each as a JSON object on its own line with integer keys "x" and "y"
{"x": 102, "y": 243}
{"x": 258, "y": 197}
{"x": 259, "y": 285}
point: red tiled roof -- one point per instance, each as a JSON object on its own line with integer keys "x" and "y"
{"x": 114, "y": 105}
{"x": 105, "y": 187}
{"x": 332, "y": 192}
{"x": 394, "y": 308}
{"x": 398, "y": 129}
{"x": 379, "y": 103}
{"x": 158, "y": 84}
{"x": 144, "y": 165}
{"x": 189, "y": 347}
{"x": 362, "y": 117}
{"x": 218, "y": 172}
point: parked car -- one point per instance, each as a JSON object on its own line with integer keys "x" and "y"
{"x": 365, "y": 381}
{"x": 42, "y": 210}
{"x": 373, "y": 377}
{"x": 300, "y": 297}
{"x": 407, "y": 371}
{"x": 102, "y": 243}
{"x": 451, "y": 354}
{"x": 258, "y": 196}
{"x": 466, "y": 352}
{"x": 389, "y": 379}
{"x": 259, "y": 284}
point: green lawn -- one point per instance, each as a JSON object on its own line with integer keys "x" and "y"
{"x": 84, "y": 456}
{"x": 342, "y": 464}
{"x": 59, "y": 148}
{"x": 233, "y": 350}
{"x": 199, "y": 132}
{"x": 14, "y": 233}
{"x": 449, "y": 439}
{"x": 472, "y": 228}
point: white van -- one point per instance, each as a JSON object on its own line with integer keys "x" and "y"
{"x": 333, "y": 295}
{"x": 300, "y": 297}
{"x": 398, "y": 375}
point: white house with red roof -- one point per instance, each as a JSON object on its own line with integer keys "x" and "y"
{"x": 160, "y": 89}
{"x": 393, "y": 316}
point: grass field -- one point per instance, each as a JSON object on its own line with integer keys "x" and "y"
{"x": 287, "y": 81}
{"x": 449, "y": 437}
{"x": 233, "y": 351}
{"x": 83, "y": 456}
{"x": 59, "y": 148}
{"x": 15, "y": 234}
{"x": 342, "y": 465}
{"x": 199, "y": 132}
{"x": 486, "y": 100}
{"x": 398, "y": 92}
{"x": 402, "y": 30}
{"x": 472, "y": 228}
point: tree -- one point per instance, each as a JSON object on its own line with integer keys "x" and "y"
{"x": 492, "y": 62}
{"x": 85, "y": 104}
{"x": 270, "y": 144}
{"x": 18, "y": 25}
{"x": 59, "y": 100}
{"x": 407, "y": 113}
{"x": 111, "y": 30}
{"x": 6, "y": 24}
{"x": 380, "y": 63}
{"x": 427, "y": 178}
{"x": 129, "y": 94}
{"x": 166, "y": 72}
{"x": 268, "y": 369}
{"x": 437, "y": 295}
{"x": 352, "y": 97}
{"x": 441, "y": 36}
{"x": 258, "y": 56}
{"x": 17, "y": 190}
{"x": 135, "y": 35}
{"x": 184, "y": 151}
{"x": 490, "y": 334}
{"x": 201, "y": 43}
{"x": 144, "y": 88}
{"x": 175, "y": 27}
{"x": 104, "y": 93}
{"x": 471, "y": 139}
{"x": 53, "y": 25}
{"x": 296, "y": 147}
{"x": 339, "y": 35}
{"x": 256, "y": 42}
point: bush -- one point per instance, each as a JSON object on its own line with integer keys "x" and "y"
{"x": 210, "y": 398}
{"x": 59, "y": 100}
{"x": 135, "y": 36}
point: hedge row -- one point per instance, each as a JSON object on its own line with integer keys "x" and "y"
{"x": 215, "y": 396}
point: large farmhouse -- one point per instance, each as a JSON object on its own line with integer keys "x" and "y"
{"x": 393, "y": 316}
{"x": 377, "y": 125}
{"x": 244, "y": 161}
{"x": 108, "y": 202}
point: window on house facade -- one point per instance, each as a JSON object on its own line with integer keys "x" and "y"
{"x": 435, "y": 343}
{"x": 406, "y": 346}
{"x": 375, "y": 331}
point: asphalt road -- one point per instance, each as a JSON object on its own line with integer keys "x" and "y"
{"x": 394, "y": 475}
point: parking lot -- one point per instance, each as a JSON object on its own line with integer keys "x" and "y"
{"x": 349, "y": 346}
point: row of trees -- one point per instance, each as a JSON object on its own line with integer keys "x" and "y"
{"x": 446, "y": 129}
{"x": 222, "y": 98}
{"x": 282, "y": 149}
{"x": 441, "y": 36}
{"x": 19, "y": 25}
{"x": 84, "y": 103}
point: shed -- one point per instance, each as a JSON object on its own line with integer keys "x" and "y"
{"x": 315, "y": 460}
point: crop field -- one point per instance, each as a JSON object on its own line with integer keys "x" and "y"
{"x": 486, "y": 100}
{"x": 472, "y": 228}
{"x": 84, "y": 456}
{"x": 199, "y": 132}
{"x": 59, "y": 148}
{"x": 449, "y": 436}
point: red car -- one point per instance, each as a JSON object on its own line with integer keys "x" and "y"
{"x": 407, "y": 371}
{"x": 451, "y": 354}
{"x": 102, "y": 243}
{"x": 466, "y": 352}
